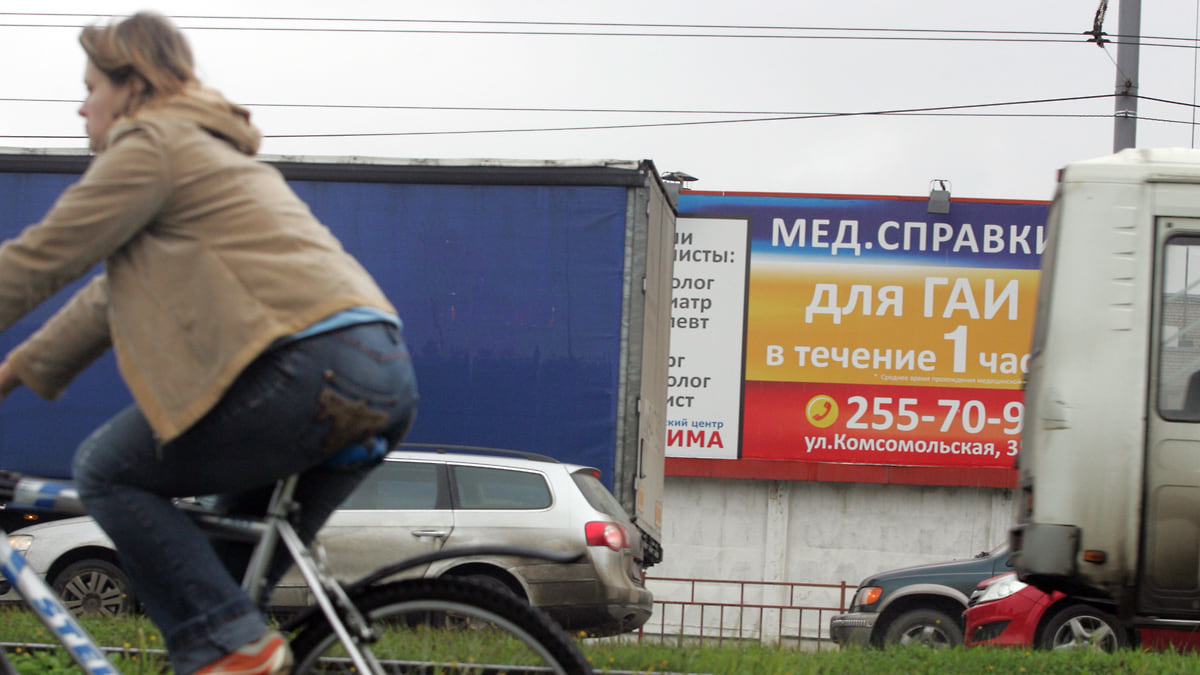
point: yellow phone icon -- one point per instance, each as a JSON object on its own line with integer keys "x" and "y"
{"x": 821, "y": 411}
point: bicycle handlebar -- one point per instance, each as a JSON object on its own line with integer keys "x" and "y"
{"x": 44, "y": 494}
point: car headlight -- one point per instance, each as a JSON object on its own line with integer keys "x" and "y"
{"x": 1001, "y": 588}
{"x": 20, "y": 542}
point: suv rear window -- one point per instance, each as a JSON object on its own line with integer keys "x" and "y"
{"x": 481, "y": 487}
{"x": 597, "y": 495}
{"x": 397, "y": 485}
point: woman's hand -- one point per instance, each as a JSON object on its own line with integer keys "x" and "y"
{"x": 8, "y": 379}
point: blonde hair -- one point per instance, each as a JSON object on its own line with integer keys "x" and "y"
{"x": 145, "y": 45}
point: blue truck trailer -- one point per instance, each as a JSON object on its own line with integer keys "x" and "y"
{"x": 536, "y": 298}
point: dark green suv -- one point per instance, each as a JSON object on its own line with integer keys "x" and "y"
{"x": 916, "y": 605}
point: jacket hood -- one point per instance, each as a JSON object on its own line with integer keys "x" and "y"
{"x": 209, "y": 110}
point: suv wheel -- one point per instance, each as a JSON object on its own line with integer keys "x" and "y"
{"x": 94, "y": 586}
{"x": 1083, "y": 627}
{"x": 924, "y": 627}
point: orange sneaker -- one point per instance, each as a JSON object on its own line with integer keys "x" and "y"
{"x": 268, "y": 655}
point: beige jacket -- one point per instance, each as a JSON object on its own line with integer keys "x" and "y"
{"x": 208, "y": 257}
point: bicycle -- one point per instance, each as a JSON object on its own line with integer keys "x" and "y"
{"x": 371, "y": 625}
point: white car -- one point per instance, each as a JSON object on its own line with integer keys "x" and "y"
{"x": 77, "y": 559}
{"x": 417, "y": 502}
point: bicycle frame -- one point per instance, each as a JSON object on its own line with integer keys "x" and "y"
{"x": 275, "y": 526}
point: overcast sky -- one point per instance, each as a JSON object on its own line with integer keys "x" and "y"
{"x": 689, "y": 62}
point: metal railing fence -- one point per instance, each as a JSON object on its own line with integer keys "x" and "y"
{"x": 699, "y": 611}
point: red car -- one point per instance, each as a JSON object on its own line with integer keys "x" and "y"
{"x": 1006, "y": 612}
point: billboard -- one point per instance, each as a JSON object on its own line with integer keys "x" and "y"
{"x": 851, "y": 331}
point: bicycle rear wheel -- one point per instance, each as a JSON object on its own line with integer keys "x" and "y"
{"x": 445, "y": 626}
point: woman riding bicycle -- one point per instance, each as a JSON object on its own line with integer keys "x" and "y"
{"x": 254, "y": 346}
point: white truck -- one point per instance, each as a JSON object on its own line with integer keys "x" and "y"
{"x": 1108, "y": 501}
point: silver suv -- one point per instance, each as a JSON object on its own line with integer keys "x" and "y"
{"x": 422, "y": 500}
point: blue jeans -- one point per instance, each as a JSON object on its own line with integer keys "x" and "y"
{"x": 288, "y": 412}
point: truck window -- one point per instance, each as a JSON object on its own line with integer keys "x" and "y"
{"x": 1179, "y": 343}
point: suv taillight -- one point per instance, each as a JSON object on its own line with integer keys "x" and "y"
{"x": 601, "y": 533}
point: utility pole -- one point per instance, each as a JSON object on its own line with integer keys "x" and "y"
{"x": 1125, "y": 117}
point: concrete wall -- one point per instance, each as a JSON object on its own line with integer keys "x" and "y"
{"x": 791, "y": 531}
{"x": 801, "y": 533}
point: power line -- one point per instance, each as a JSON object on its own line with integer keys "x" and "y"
{"x": 945, "y": 111}
{"x": 929, "y": 35}
{"x": 547, "y": 33}
{"x": 562, "y": 109}
{"x": 768, "y": 115}
{"x": 587, "y": 24}
{"x": 481, "y": 28}
{"x": 603, "y": 24}
{"x": 1145, "y": 42}
{"x": 1166, "y": 101}
{"x": 951, "y": 110}
{"x": 599, "y": 29}
{"x": 596, "y": 29}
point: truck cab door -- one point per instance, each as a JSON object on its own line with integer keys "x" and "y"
{"x": 1169, "y": 569}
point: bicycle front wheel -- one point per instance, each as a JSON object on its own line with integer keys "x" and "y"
{"x": 445, "y": 625}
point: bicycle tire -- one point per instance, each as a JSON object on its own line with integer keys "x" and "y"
{"x": 457, "y": 620}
